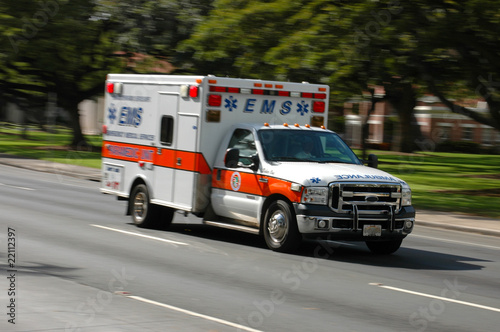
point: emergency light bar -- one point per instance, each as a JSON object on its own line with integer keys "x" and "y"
{"x": 281, "y": 93}
{"x": 277, "y": 90}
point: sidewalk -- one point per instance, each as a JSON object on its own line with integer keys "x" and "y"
{"x": 87, "y": 173}
{"x": 445, "y": 220}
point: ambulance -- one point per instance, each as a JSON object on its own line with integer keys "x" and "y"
{"x": 248, "y": 155}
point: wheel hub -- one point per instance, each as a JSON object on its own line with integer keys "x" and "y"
{"x": 278, "y": 227}
{"x": 140, "y": 206}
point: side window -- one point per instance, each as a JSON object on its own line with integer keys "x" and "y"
{"x": 243, "y": 140}
{"x": 167, "y": 130}
{"x": 334, "y": 147}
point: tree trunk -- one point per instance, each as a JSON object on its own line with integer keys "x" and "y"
{"x": 78, "y": 141}
{"x": 402, "y": 97}
{"x": 365, "y": 126}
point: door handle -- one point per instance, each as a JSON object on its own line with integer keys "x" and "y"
{"x": 179, "y": 161}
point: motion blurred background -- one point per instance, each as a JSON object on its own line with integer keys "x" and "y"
{"x": 404, "y": 76}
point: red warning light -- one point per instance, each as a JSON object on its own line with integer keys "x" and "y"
{"x": 214, "y": 100}
{"x": 318, "y": 106}
{"x": 193, "y": 91}
{"x": 110, "y": 87}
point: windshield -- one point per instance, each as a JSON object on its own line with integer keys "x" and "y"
{"x": 302, "y": 146}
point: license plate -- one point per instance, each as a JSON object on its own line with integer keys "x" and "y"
{"x": 372, "y": 230}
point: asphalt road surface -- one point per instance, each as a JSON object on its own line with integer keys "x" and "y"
{"x": 72, "y": 261}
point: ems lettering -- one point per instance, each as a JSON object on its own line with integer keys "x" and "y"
{"x": 286, "y": 107}
{"x": 130, "y": 116}
{"x": 249, "y": 105}
{"x": 268, "y": 106}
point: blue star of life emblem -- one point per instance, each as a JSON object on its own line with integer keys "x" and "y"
{"x": 315, "y": 180}
{"x": 112, "y": 113}
{"x": 302, "y": 107}
{"x": 230, "y": 103}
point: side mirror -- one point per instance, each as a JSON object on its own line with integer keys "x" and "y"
{"x": 255, "y": 162}
{"x": 232, "y": 158}
{"x": 372, "y": 161}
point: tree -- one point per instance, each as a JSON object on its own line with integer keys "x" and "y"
{"x": 55, "y": 47}
{"x": 463, "y": 47}
{"x": 299, "y": 40}
{"x": 152, "y": 27}
{"x": 68, "y": 47}
{"x": 404, "y": 47}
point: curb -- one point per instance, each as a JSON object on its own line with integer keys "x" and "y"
{"x": 459, "y": 228}
{"x": 81, "y": 172}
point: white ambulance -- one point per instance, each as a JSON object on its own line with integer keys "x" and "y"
{"x": 247, "y": 155}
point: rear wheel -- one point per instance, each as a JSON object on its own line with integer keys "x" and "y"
{"x": 142, "y": 211}
{"x": 147, "y": 215}
{"x": 384, "y": 247}
{"x": 280, "y": 227}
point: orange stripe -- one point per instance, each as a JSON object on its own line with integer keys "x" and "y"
{"x": 250, "y": 184}
{"x": 189, "y": 161}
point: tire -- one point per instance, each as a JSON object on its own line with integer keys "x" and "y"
{"x": 280, "y": 227}
{"x": 384, "y": 247}
{"x": 165, "y": 217}
{"x": 144, "y": 214}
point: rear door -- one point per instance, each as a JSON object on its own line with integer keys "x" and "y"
{"x": 168, "y": 104}
{"x": 185, "y": 173}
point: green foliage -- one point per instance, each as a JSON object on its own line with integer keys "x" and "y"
{"x": 152, "y": 27}
{"x": 450, "y": 48}
{"x": 54, "y": 47}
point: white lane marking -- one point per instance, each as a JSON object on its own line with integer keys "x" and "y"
{"x": 454, "y": 241}
{"x": 470, "y": 304}
{"x": 15, "y": 187}
{"x": 141, "y": 235}
{"x": 195, "y": 314}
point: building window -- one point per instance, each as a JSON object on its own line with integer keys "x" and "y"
{"x": 487, "y": 138}
{"x": 444, "y": 133}
{"x": 467, "y": 133}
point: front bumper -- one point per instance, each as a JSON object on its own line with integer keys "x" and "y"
{"x": 318, "y": 220}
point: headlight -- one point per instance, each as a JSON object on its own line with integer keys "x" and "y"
{"x": 315, "y": 195}
{"x": 406, "y": 196}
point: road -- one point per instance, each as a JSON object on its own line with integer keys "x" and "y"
{"x": 80, "y": 265}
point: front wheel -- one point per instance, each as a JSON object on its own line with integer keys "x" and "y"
{"x": 280, "y": 227}
{"x": 384, "y": 247}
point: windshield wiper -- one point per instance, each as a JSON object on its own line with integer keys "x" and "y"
{"x": 340, "y": 162}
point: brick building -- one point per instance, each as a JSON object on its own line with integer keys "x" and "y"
{"x": 436, "y": 122}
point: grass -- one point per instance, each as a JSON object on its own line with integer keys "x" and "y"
{"x": 38, "y": 144}
{"x": 466, "y": 183}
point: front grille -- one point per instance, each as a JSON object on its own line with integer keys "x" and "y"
{"x": 368, "y": 197}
